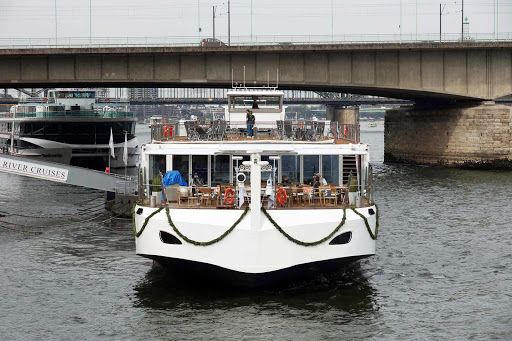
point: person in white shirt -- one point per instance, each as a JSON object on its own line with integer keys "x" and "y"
{"x": 323, "y": 182}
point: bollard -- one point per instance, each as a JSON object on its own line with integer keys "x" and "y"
{"x": 359, "y": 201}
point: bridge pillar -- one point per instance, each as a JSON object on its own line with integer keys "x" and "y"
{"x": 344, "y": 115}
{"x": 468, "y": 137}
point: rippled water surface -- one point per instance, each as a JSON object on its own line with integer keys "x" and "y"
{"x": 442, "y": 270}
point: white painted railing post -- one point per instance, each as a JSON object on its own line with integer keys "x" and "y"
{"x": 255, "y": 163}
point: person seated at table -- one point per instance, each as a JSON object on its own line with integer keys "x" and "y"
{"x": 285, "y": 180}
{"x": 316, "y": 185}
{"x": 323, "y": 182}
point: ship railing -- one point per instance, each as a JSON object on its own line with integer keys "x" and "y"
{"x": 39, "y": 100}
{"x": 126, "y": 187}
{"x": 285, "y": 130}
{"x": 71, "y": 114}
{"x": 113, "y": 100}
{"x": 297, "y": 196}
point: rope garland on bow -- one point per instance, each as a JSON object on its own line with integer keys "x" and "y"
{"x": 213, "y": 241}
{"x": 373, "y": 236}
{"x": 135, "y": 233}
{"x": 299, "y": 242}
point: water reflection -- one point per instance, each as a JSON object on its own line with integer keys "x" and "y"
{"x": 347, "y": 291}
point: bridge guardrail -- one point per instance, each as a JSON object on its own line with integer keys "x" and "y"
{"x": 183, "y": 41}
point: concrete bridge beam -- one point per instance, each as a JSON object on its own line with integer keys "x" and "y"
{"x": 419, "y": 72}
{"x": 478, "y": 136}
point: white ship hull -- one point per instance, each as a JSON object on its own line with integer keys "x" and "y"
{"x": 251, "y": 257}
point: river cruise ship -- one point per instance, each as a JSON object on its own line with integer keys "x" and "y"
{"x": 71, "y": 127}
{"x": 290, "y": 201}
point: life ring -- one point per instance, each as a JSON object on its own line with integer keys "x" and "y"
{"x": 166, "y": 131}
{"x": 229, "y": 196}
{"x": 45, "y": 99}
{"x": 344, "y": 131}
{"x": 281, "y": 196}
{"x": 107, "y": 100}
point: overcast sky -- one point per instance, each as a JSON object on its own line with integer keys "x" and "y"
{"x": 158, "y": 18}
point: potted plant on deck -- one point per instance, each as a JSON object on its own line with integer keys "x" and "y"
{"x": 157, "y": 189}
{"x": 352, "y": 190}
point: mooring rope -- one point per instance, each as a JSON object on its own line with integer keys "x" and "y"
{"x": 53, "y": 216}
{"x": 119, "y": 215}
{"x": 50, "y": 226}
{"x": 22, "y": 231}
{"x": 88, "y": 200}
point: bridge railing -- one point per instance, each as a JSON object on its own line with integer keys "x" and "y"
{"x": 286, "y": 130}
{"x": 85, "y": 42}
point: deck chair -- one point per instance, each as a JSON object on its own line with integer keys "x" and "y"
{"x": 212, "y": 131}
{"x": 202, "y": 134}
{"x": 288, "y": 130}
{"x": 320, "y": 129}
{"x": 190, "y": 127}
{"x": 221, "y": 130}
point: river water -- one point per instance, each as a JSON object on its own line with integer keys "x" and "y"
{"x": 442, "y": 270}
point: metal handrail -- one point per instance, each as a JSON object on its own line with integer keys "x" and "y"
{"x": 273, "y": 130}
{"x": 70, "y": 114}
{"x": 194, "y": 192}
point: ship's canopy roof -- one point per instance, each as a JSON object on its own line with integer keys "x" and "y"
{"x": 277, "y": 147}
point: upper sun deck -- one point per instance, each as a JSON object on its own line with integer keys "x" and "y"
{"x": 312, "y": 131}
{"x": 72, "y": 105}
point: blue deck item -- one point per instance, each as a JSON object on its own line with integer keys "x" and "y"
{"x": 173, "y": 177}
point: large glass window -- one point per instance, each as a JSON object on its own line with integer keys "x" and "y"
{"x": 290, "y": 168}
{"x": 158, "y": 164}
{"x": 200, "y": 169}
{"x": 311, "y": 167}
{"x": 241, "y": 103}
{"x": 220, "y": 170}
{"x": 331, "y": 168}
{"x": 180, "y": 163}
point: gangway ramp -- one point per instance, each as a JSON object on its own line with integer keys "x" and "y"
{"x": 67, "y": 174}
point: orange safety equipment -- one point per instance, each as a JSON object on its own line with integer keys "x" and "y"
{"x": 45, "y": 99}
{"x": 166, "y": 131}
{"x": 171, "y": 130}
{"x": 281, "y": 196}
{"x": 229, "y": 196}
{"x": 107, "y": 99}
{"x": 344, "y": 131}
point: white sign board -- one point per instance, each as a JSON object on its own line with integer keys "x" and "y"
{"x": 33, "y": 170}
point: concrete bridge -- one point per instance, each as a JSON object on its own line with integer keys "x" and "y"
{"x": 448, "y": 81}
{"x": 450, "y": 71}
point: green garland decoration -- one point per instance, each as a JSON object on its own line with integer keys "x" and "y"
{"x": 213, "y": 241}
{"x": 135, "y": 233}
{"x": 373, "y": 236}
{"x": 296, "y": 241}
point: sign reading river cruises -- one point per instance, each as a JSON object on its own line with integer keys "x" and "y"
{"x": 33, "y": 170}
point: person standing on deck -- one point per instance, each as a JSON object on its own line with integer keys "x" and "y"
{"x": 250, "y": 119}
